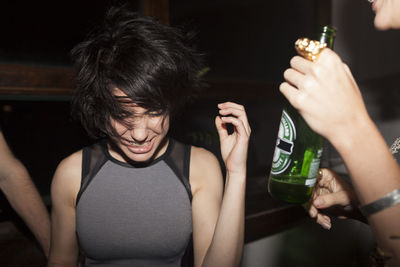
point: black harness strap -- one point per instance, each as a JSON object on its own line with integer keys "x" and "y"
{"x": 93, "y": 158}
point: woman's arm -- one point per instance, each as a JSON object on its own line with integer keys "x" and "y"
{"x": 64, "y": 250}
{"x": 23, "y": 196}
{"x": 328, "y": 98}
{"x": 218, "y": 222}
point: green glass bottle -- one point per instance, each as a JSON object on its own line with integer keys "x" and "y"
{"x": 298, "y": 151}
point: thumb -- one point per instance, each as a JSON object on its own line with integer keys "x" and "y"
{"x": 325, "y": 201}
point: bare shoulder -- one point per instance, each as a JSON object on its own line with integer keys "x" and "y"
{"x": 205, "y": 169}
{"x": 67, "y": 178}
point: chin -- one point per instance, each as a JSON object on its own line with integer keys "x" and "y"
{"x": 138, "y": 157}
{"x": 381, "y": 24}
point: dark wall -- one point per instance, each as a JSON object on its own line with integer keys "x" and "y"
{"x": 246, "y": 40}
{"x": 43, "y": 32}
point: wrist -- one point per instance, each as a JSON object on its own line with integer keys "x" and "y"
{"x": 347, "y": 138}
{"x": 236, "y": 175}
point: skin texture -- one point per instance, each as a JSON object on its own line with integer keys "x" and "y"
{"x": 23, "y": 196}
{"x": 387, "y": 14}
{"x": 217, "y": 209}
{"x": 326, "y": 95}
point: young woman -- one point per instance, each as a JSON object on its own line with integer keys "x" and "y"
{"x": 137, "y": 197}
{"x": 326, "y": 94}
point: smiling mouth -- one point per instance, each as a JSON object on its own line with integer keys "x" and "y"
{"x": 139, "y": 145}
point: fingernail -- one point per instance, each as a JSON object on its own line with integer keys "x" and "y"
{"x": 318, "y": 202}
{"x": 312, "y": 213}
{"x": 326, "y": 225}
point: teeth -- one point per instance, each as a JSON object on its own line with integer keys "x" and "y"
{"x": 138, "y": 145}
{"x": 371, "y": 1}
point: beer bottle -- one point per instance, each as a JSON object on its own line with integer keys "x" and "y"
{"x": 298, "y": 151}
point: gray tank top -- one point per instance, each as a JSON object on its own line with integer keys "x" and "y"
{"x": 130, "y": 215}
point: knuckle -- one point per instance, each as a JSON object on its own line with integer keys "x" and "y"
{"x": 318, "y": 70}
{"x": 306, "y": 83}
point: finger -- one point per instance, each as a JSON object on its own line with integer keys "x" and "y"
{"x": 325, "y": 177}
{"x": 231, "y": 105}
{"x": 325, "y": 201}
{"x": 221, "y": 128}
{"x": 238, "y": 124}
{"x": 239, "y": 113}
{"x": 293, "y": 77}
{"x": 301, "y": 64}
{"x": 313, "y": 212}
{"x": 291, "y": 93}
{"x": 324, "y": 221}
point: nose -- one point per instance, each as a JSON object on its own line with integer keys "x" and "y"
{"x": 139, "y": 133}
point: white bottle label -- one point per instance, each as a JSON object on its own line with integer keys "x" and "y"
{"x": 284, "y": 145}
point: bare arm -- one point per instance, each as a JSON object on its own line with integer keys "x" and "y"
{"x": 328, "y": 98}
{"x": 23, "y": 196}
{"x": 218, "y": 222}
{"x": 64, "y": 249}
{"x": 378, "y": 176}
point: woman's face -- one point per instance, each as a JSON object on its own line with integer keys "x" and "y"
{"x": 142, "y": 137}
{"x": 387, "y": 14}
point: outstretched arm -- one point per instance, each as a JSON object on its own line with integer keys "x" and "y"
{"x": 328, "y": 98}
{"x": 23, "y": 196}
{"x": 219, "y": 223}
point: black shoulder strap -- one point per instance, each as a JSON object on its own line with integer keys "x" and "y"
{"x": 179, "y": 161}
{"x": 93, "y": 158}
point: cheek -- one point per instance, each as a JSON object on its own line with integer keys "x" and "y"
{"x": 118, "y": 127}
{"x": 382, "y": 21}
{"x": 388, "y": 16}
{"x": 160, "y": 125}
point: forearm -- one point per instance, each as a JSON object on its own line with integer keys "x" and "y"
{"x": 374, "y": 173}
{"x": 26, "y": 201}
{"x": 227, "y": 243}
{"x": 373, "y": 170}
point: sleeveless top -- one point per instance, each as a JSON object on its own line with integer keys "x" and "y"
{"x": 134, "y": 215}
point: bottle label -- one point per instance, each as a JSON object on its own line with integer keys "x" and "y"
{"x": 284, "y": 145}
{"x": 313, "y": 170}
{"x": 310, "y": 182}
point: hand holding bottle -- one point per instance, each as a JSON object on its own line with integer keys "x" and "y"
{"x": 325, "y": 94}
{"x": 298, "y": 149}
{"x": 334, "y": 196}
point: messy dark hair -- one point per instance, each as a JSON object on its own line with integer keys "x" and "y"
{"x": 153, "y": 64}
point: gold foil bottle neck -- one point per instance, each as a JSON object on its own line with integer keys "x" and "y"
{"x": 309, "y": 49}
